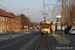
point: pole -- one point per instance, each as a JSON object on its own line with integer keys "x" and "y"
{"x": 53, "y": 20}
{"x": 62, "y": 13}
{"x": 63, "y": 21}
{"x": 63, "y": 36}
{"x": 43, "y": 4}
{"x": 43, "y": 10}
{"x": 65, "y": 14}
{"x": 69, "y": 12}
{"x": 53, "y": 12}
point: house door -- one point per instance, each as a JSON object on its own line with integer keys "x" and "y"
{"x": 1, "y": 29}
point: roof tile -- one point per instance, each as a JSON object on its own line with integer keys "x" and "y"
{"x": 4, "y": 13}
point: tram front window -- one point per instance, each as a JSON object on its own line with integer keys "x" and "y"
{"x": 44, "y": 25}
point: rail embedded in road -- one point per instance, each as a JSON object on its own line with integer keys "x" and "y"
{"x": 43, "y": 43}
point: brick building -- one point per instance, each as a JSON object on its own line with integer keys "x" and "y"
{"x": 17, "y": 24}
{"x": 8, "y": 22}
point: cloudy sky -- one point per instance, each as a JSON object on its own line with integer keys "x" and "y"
{"x": 34, "y": 11}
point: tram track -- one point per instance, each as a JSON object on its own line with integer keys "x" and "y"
{"x": 44, "y": 43}
{"x": 49, "y": 43}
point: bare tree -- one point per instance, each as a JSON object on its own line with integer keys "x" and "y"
{"x": 68, "y": 11}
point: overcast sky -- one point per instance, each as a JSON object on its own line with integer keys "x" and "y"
{"x": 33, "y": 13}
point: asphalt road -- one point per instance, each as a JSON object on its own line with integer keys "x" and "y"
{"x": 18, "y": 42}
{"x": 54, "y": 45}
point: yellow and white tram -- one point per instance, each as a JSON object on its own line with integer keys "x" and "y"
{"x": 45, "y": 27}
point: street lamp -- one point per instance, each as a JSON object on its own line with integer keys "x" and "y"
{"x": 21, "y": 13}
{"x": 24, "y": 9}
{"x": 29, "y": 15}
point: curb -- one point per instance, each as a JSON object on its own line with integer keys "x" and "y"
{"x": 59, "y": 39}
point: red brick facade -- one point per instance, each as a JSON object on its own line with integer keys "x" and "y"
{"x": 17, "y": 24}
{"x": 11, "y": 23}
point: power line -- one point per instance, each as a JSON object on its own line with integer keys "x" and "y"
{"x": 4, "y": 7}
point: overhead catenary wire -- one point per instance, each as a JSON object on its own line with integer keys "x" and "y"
{"x": 4, "y": 7}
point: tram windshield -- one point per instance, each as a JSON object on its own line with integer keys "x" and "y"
{"x": 44, "y": 25}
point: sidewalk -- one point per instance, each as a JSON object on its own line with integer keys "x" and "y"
{"x": 7, "y": 33}
{"x": 5, "y": 36}
{"x": 60, "y": 39}
{"x": 9, "y": 36}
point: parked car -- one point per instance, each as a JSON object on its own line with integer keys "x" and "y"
{"x": 31, "y": 28}
{"x": 67, "y": 29}
{"x": 72, "y": 31}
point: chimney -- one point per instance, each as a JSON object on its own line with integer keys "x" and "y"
{"x": 0, "y": 9}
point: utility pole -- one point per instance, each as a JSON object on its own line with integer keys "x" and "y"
{"x": 53, "y": 21}
{"x": 53, "y": 12}
{"x": 74, "y": 18}
{"x": 63, "y": 21}
{"x": 62, "y": 13}
{"x": 69, "y": 14}
{"x": 43, "y": 6}
{"x": 65, "y": 14}
{"x": 43, "y": 11}
{"x": 17, "y": 13}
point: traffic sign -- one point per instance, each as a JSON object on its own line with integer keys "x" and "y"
{"x": 25, "y": 26}
{"x": 59, "y": 16}
{"x": 59, "y": 24}
{"x": 62, "y": 15}
{"x": 63, "y": 27}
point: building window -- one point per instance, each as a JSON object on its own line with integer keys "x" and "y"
{"x": 7, "y": 27}
{"x": 1, "y": 19}
{"x": 6, "y": 19}
{"x": 3, "y": 27}
{"x": 9, "y": 19}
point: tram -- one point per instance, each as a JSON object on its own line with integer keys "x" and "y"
{"x": 45, "y": 27}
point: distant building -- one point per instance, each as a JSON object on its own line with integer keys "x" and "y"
{"x": 17, "y": 24}
{"x": 8, "y": 22}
